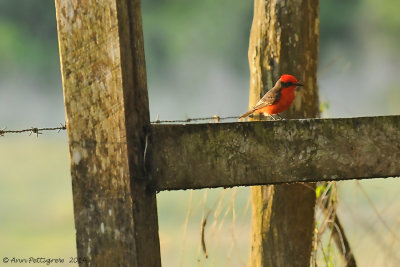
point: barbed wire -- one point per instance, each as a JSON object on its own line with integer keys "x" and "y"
{"x": 215, "y": 117}
{"x": 33, "y": 130}
{"x": 37, "y": 131}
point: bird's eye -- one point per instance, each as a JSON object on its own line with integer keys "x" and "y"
{"x": 287, "y": 84}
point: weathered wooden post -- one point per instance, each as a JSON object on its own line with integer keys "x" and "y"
{"x": 284, "y": 39}
{"x": 105, "y": 94}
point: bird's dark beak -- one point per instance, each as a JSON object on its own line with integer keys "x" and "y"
{"x": 298, "y": 88}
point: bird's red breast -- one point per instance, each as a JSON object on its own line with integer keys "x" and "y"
{"x": 282, "y": 104}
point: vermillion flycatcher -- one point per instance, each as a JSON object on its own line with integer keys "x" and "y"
{"x": 278, "y": 99}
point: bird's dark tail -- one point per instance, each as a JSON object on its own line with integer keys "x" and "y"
{"x": 246, "y": 114}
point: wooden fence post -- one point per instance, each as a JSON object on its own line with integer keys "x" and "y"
{"x": 105, "y": 94}
{"x": 284, "y": 39}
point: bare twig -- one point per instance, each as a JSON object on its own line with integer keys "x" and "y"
{"x": 376, "y": 210}
{"x": 328, "y": 206}
{"x": 342, "y": 241}
{"x": 202, "y": 233}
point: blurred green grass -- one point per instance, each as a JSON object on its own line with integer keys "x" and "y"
{"x": 36, "y": 213}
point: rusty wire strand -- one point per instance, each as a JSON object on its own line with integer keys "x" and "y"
{"x": 216, "y": 118}
{"x": 37, "y": 131}
{"x": 33, "y": 130}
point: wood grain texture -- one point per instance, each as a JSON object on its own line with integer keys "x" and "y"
{"x": 105, "y": 95}
{"x": 284, "y": 40}
{"x": 260, "y": 153}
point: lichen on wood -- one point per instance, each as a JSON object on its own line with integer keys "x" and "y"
{"x": 274, "y": 152}
{"x": 105, "y": 95}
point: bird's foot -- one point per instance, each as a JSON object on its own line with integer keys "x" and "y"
{"x": 276, "y": 117}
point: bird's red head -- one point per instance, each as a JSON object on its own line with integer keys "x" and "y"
{"x": 288, "y": 80}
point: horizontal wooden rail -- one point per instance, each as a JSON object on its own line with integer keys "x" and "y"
{"x": 261, "y": 153}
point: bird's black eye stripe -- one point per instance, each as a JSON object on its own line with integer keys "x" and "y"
{"x": 287, "y": 84}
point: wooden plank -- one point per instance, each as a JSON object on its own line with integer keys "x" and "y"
{"x": 105, "y": 93}
{"x": 262, "y": 153}
{"x": 284, "y": 40}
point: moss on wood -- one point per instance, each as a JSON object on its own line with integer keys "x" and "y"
{"x": 273, "y": 152}
{"x": 105, "y": 94}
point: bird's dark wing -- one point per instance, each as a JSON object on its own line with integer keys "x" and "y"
{"x": 271, "y": 97}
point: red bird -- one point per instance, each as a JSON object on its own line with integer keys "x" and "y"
{"x": 278, "y": 99}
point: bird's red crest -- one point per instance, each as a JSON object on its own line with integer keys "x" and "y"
{"x": 288, "y": 78}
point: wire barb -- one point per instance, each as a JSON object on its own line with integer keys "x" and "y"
{"x": 215, "y": 118}
{"x": 37, "y": 131}
{"x": 33, "y": 130}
